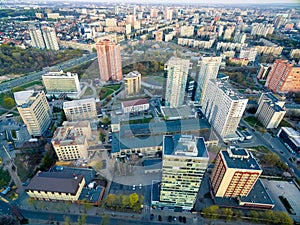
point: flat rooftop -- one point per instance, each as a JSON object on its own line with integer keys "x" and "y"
{"x": 178, "y": 113}
{"x": 293, "y": 135}
{"x": 135, "y": 102}
{"x": 184, "y": 145}
{"x": 78, "y": 103}
{"x": 240, "y": 159}
{"x": 228, "y": 89}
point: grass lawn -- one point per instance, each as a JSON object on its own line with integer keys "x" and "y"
{"x": 88, "y": 91}
{"x": 115, "y": 87}
{"x": 14, "y": 134}
{"x": 144, "y": 120}
{"x": 252, "y": 121}
{"x": 37, "y": 82}
{"x": 284, "y": 123}
{"x": 261, "y": 149}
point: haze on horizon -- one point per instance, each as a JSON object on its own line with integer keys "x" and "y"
{"x": 192, "y": 1}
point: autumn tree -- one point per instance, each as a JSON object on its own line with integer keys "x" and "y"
{"x": 8, "y": 102}
{"x": 133, "y": 199}
{"x": 110, "y": 200}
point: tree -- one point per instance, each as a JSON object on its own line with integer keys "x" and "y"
{"x": 271, "y": 158}
{"x": 110, "y": 200}
{"x": 67, "y": 221}
{"x": 254, "y": 215}
{"x": 133, "y": 199}
{"x": 284, "y": 218}
{"x": 211, "y": 212}
{"x": 228, "y": 213}
{"x": 105, "y": 220}
{"x": 125, "y": 201}
{"x": 8, "y": 102}
{"x": 105, "y": 120}
{"x": 31, "y": 202}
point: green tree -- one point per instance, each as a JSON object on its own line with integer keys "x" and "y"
{"x": 228, "y": 213}
{"x": 105, "y": 120}
{"x": 125, "y": 201}
{"x": 133, "y": 199}
{"x": 105, "y": 220}
{"x": 271, "y": 158}
{"x": 110, "y": 200}
{"x": 254, "y": 215}
{"x": 8, "y": 102}
{"x": 211, "y": 212}
{"x": 67, "y": 220}
{"x": 283, "y": 218}
{"x": 16, "y": 89}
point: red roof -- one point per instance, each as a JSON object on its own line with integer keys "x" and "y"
{"x": 135, "y": 102}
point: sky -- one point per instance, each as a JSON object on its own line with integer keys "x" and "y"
{"x": 197, "y": 1}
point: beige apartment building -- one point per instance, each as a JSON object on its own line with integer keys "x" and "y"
{"x": 34, "y": 111}
{"x": 133, "y": 83}
{"x": 270, "y": 110}
{"x": 70, "y": 140}
{"x": 55, "y": 186}
{"x": 235, "y": 173}
{"x": 184, "y": 163}
{"x": 84, "y": 109}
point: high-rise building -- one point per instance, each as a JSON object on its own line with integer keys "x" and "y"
{"x": 248, "y": 53}
{"x": 240, "y": 37}
{"x": 168, "y": 14}
{"x": 208, "y": 69}
{"x": 130, "y": 19}
{"x": 223, "y": 107}
{"x": 228, "y": 33}
{"x": 50, "y": 39}
{"x": 283, "y": 77}
{"x": 153, "y": 13}
{"x": 34, "y": 111}
{"x": 235, "y": 173}
{"x": 184, "y": 162}
{"x": 36, "y": 37}
{"x": 60, "y": 82}
{"x": 262, "y": 29}
{"x": 70, "y": 140}
{"x": 109, "y": 60}
{"x": 84, "y": 109}
{"x": 270, "y": 110}
{"x": 133, "y": 83}
{"x": 159, "y": 35}
{"x": 176, "y": 82}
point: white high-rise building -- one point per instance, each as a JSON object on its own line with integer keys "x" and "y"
{"x": 208, "y": 69}
{"x": 176, "y": 82}
{"x": 223, "y": 107}
{"x": 34, "y": 111}
{"x": 36, "y": 37}
{"x": 168, "y": 15}
{"x": 50, "y": 39}
{"x": 184, "y": 163}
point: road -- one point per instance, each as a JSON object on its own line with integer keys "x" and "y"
{"x": 273, "y": 143}
{"x": 6, "y": 86}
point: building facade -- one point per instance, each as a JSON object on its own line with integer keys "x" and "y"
{"x": 34, "y": 111}
{"x": 109, "y": 60}
{"x": 84, "y": 109}
{"x": 177, "y": 72}
{"x": 135, "y": 106}
{"x": 223, "y": 107}
{"x": 55, "y": 186}
{"x": 235, "y": 173}
{"x": 36, "y": 37}
{"x": 248, "y": 53}
{"x": 133, "y": 83}
{"x": 208, "y": 69}
{"x": 264, "y": 71}
{"x": 60, "y": 82}
{"x": 270, "y": 110}
{"x": 284, "y": 77}
{"x": 70, "y": 140}
{"x": 50, "y": 38}
{"x": 184, "y": 163}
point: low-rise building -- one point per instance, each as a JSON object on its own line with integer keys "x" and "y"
{"x": 70, "y": 140}
{"x": 291, "y": 138}
{"x": 135, "y": 106}
{"x": 55, "y": 186}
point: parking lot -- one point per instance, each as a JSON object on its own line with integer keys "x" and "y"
{"x": 289, "y": 191}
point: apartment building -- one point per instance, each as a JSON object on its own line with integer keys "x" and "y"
{"x": 70, "y": 140}
{"x": 34, "y": 111}
{"x": 133, "y": 83}
{"x": 84, "y": 109}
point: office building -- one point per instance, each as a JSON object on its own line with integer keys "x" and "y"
{"x": 291, "y": 138}
{"x": 34, "y": 111}
{"x": 270, "y": 110}
{"x": 223, "y": 107}
{"x": 60, "y": 82}
{"x": 109, "y": 61}
{"x": 208, "y": 69}
{"x": 248, "y": 53}
{"x": 184, "y": 162}
{"x": 55, "y": 186}
{"x": 235, "y": 173}
{"x": 264, "y": 71}
{"x": 50, "y": 39}
{"x": 284, "y": 77}
{"x": 83, "y": 109}
{"x": 36, "y": 37}
{"x": 177, "y": 72}
{"x": 133, "y": 83}
{"x": 70, "y": 140}
{"x": 168, "y": 14}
